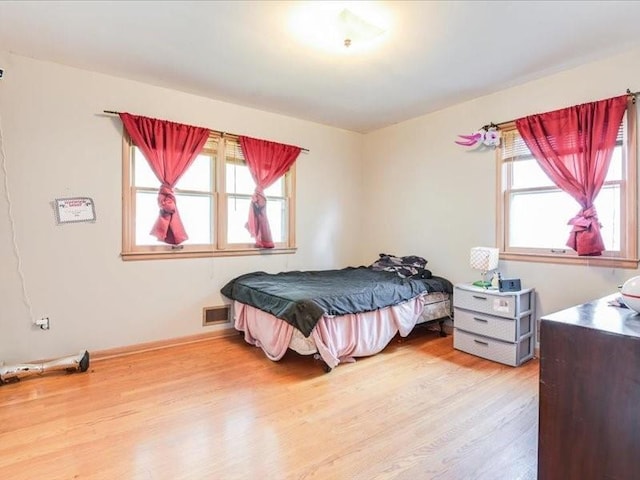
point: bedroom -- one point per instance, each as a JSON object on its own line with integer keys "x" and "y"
{"x": 437, "y": 199}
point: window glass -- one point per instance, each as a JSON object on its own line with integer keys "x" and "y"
{"x": 240, "y": 181}
{"x": 195, "y": 213}
{"x": 539, "y": 220}
{"x": 276, "y": 190}
{"x": 144, "y": 176}
{"x": 198, "y": 176}
{"x": 527, "y": 173}
{"x": 608, "y": 208}
{"x": 238, "y": 212}
{"x": 615, "y": 168}
{"x": 146, "y": 214}
{"x": 276, "y": 212}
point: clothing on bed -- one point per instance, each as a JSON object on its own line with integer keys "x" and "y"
{"x": 407, "y": 266}
{"x": 301, "y": 298}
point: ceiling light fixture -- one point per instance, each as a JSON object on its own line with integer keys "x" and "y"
{"x": 340, "y": 27}
{"x": 356, "y": 28}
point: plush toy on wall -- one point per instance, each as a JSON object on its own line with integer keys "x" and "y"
{"x": 489, "y": 136}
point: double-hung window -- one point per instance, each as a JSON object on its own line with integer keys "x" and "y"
{"x": 213, "y": 197}
{"x": 533, "y": 212}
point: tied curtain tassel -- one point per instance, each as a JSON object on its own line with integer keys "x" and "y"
{"x": 585, "y": 237}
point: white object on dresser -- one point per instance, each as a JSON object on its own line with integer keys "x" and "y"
{"x": 499, "y": 326}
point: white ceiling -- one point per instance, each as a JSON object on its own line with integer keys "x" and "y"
{"x": 435, "y": 54}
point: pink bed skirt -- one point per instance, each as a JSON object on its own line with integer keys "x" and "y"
{"x": 337, "y": 338}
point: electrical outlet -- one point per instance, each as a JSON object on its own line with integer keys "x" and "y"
{"x": 43, "y": 323}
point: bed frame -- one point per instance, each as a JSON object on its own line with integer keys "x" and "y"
{"x": 437, "y": 308}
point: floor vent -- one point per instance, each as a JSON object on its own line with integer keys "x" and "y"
{"x": 215, "y": 315}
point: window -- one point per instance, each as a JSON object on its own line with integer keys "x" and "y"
{"x": 533, "y": 212}
{"x": 213, "y": 197}
{"x": 240, "y": 187}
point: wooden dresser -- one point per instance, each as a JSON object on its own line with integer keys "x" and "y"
{"x": 590, "y": 393}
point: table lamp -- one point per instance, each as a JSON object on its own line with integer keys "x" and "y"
{"x": 484, "y": 259}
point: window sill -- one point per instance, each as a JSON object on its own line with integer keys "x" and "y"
{"x": 173, "y": 254}
{"x": 601, "y": 261}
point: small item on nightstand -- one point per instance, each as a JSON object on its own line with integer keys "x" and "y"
{"x": 510, "y": 285}
{"x": 495, "y": 280}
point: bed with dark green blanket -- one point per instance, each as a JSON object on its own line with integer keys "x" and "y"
{"x": 304, "y": 298}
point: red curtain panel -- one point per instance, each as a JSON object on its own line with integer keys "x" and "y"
{"x": 574, "y": 147}
{"x": 170, "y": 148}
{"x": 267, "y": 162}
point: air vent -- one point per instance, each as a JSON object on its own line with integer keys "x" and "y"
{"x": 215, "y": 315}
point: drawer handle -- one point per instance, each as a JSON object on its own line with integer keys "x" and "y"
{"x": 483, "y": 320}
{"x": 477, "y": 297}
{"x": 486, "y": 344}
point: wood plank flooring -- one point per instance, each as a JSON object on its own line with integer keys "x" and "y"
{"x": 220, "y": 409}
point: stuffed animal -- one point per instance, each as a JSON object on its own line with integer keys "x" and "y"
{"x": 489, "y": 136}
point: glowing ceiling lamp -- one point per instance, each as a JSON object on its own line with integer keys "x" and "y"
{"x": 356, "y": 28}
{"x": 339, "y": 27}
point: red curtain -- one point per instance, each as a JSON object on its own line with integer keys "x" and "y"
{"x": 169, "y": 148}
{"x": 574, "y": 147}
{"x": 267, "y": 162}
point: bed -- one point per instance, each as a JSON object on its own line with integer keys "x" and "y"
{"x": 335, "y": 315}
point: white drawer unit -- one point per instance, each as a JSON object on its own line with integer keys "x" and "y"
{"x": 499, "y": 326}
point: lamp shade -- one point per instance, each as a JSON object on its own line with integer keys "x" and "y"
{"x": 484, "y": 258}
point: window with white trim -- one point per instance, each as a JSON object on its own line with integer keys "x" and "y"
{"x": 533, "y": 212}
{"x": 213, "y": 198}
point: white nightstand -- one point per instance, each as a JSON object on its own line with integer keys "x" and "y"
{"x": 499, "y": 326}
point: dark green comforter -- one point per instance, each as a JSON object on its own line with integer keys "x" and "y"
{"x": 301, "y": 298}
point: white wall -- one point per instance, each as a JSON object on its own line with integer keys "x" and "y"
{"x": 59, "y": 144}
{"x": 425, "y": 195}
{"x": 416, "y": 190}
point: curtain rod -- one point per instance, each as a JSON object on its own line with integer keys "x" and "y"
{"x": 501, "y": 124}
{"x": 112, "y": 112}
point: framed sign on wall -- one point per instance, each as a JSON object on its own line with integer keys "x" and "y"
{"x": 74, "y": 210}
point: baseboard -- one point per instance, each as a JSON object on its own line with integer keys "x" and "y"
{"x": 99, "y": 355}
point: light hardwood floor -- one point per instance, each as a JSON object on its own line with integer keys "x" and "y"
{"x": 219, "y": 409}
